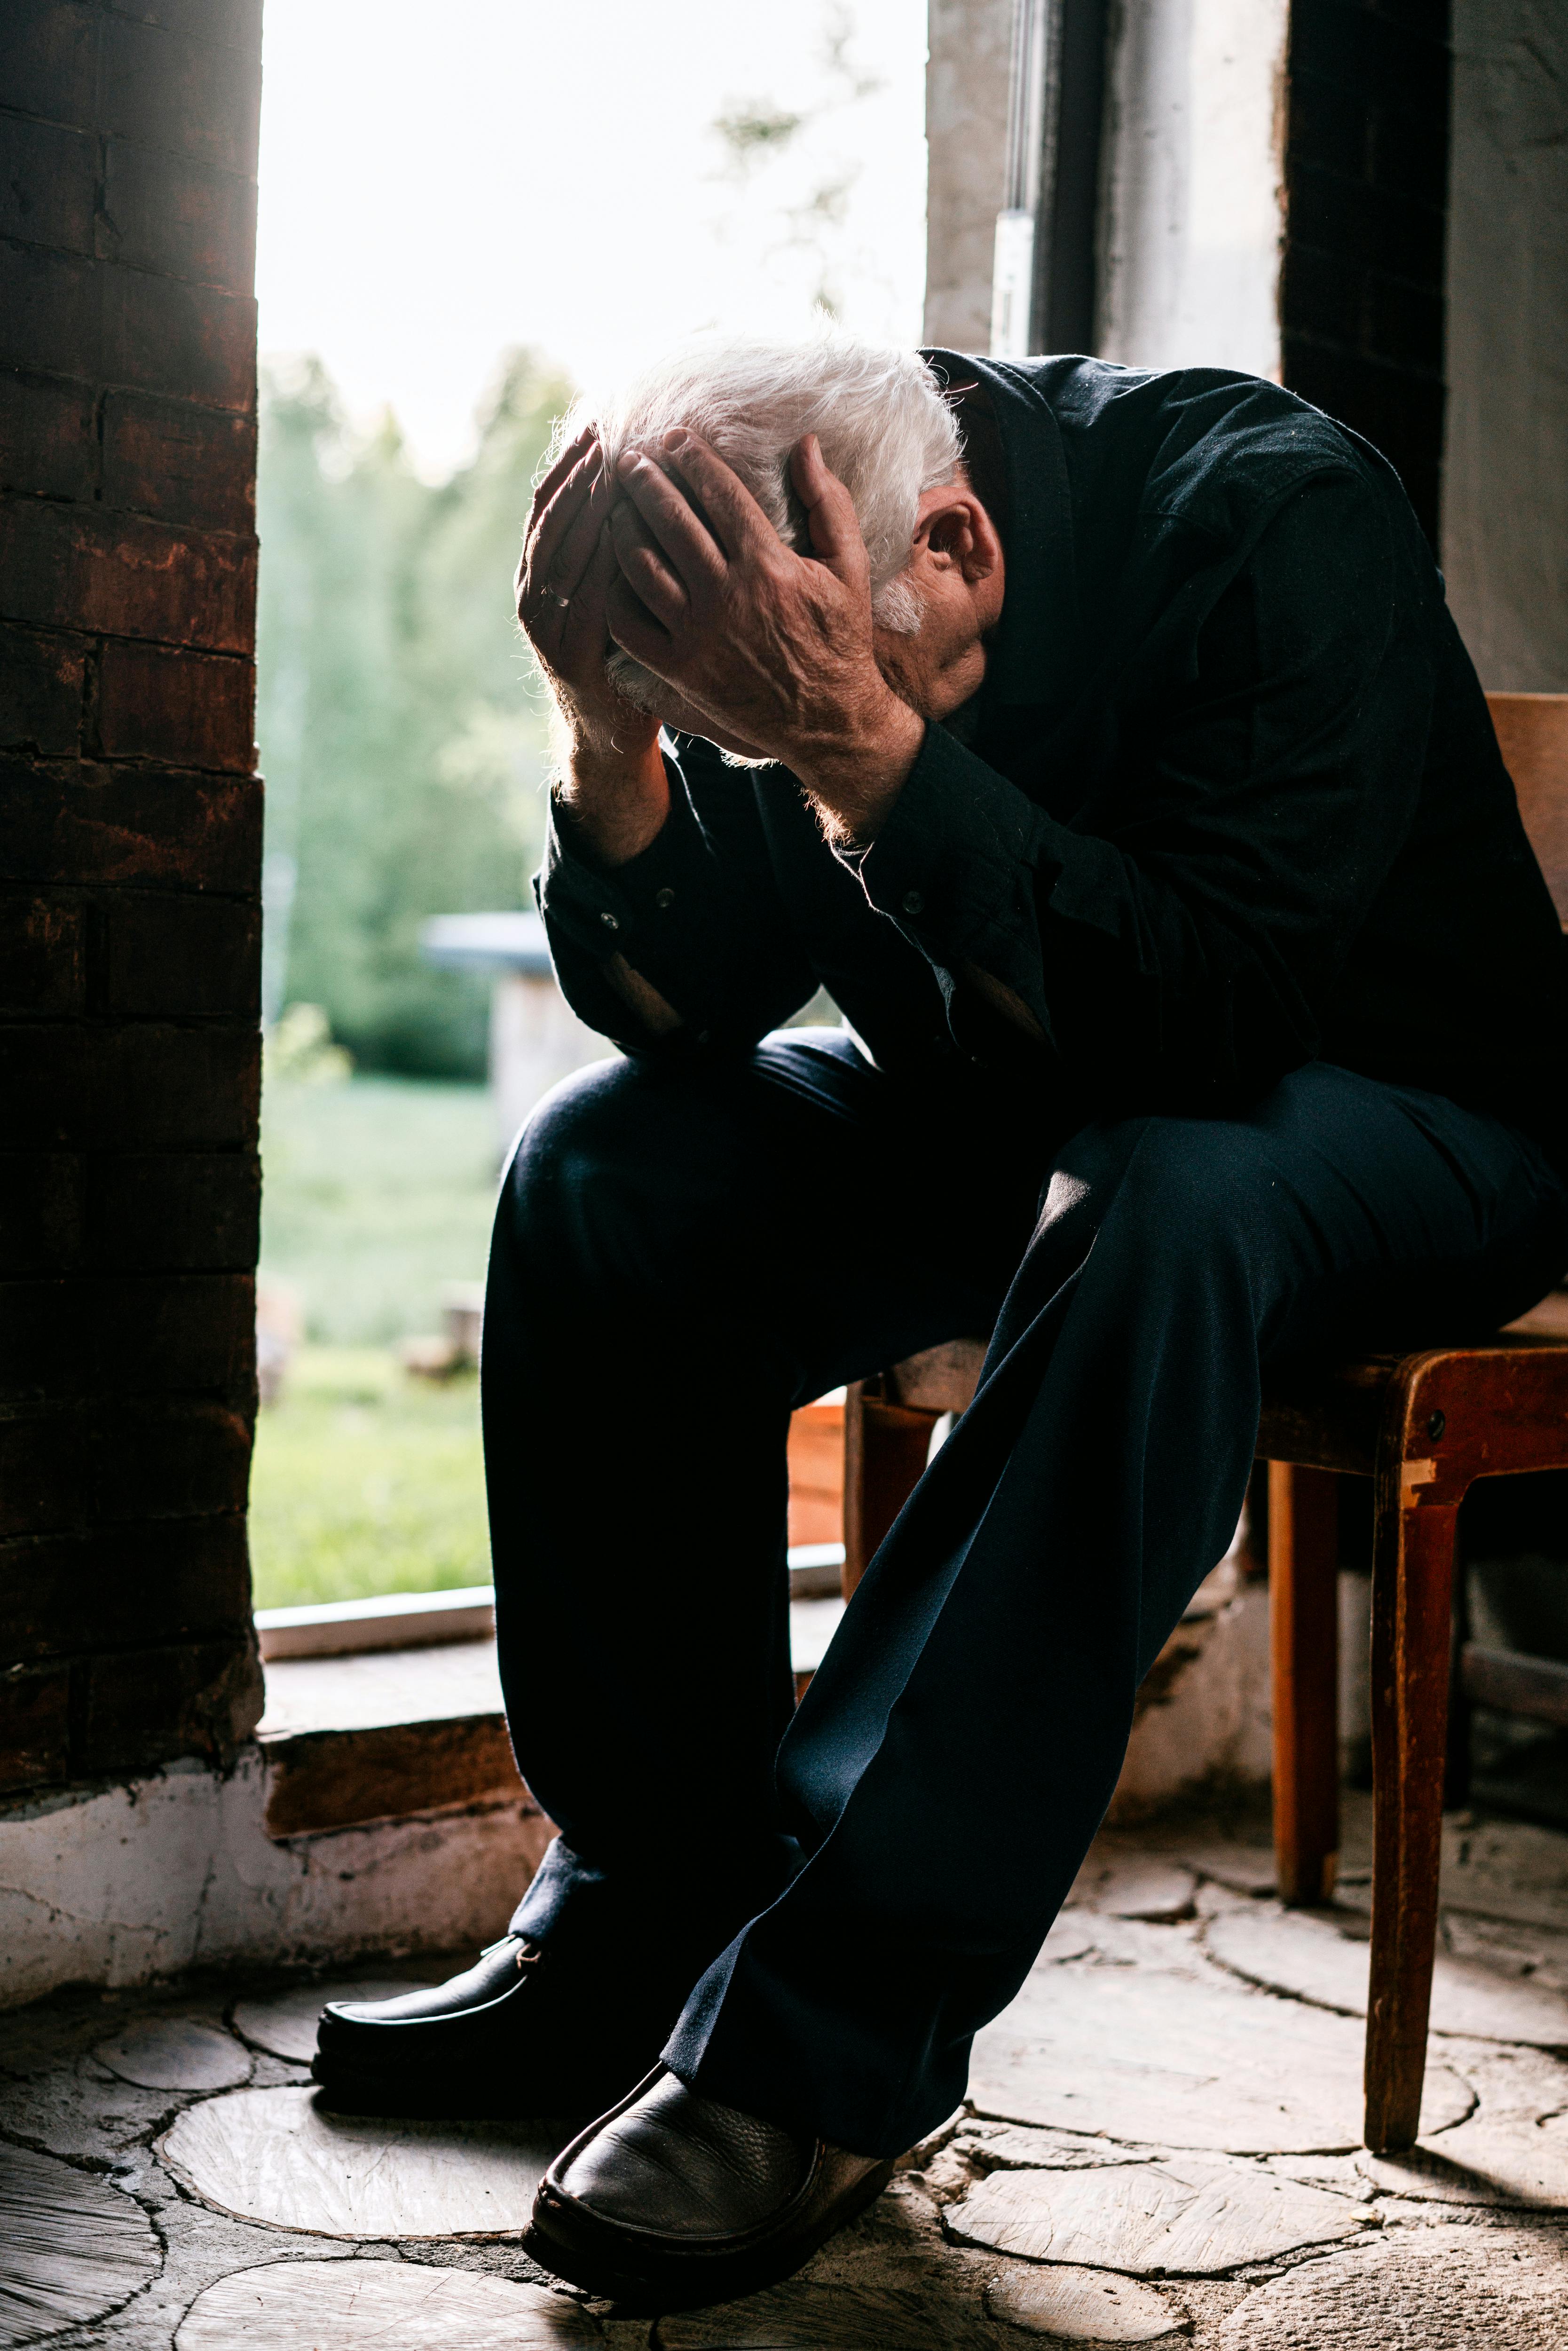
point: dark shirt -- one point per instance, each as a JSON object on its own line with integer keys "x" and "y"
{"x": 1229, "y": 801}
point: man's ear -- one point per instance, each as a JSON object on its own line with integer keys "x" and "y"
{"x": 951, "y": 521}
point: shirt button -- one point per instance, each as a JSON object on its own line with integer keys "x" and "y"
{"x": 913, "y": 903}
{"x": 610, "y": 922}
{"x": 704, "y": 1035}
{"x": 663, "y": 898}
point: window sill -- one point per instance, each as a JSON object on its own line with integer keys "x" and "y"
{"x": 386, "y": 1730}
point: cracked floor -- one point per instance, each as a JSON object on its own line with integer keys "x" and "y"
{"x": 1161, "y": 2144}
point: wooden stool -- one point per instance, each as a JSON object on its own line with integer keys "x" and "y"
{"x": 1423, "y": 1428}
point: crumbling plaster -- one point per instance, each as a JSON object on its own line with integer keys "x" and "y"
{"x": 967, "y": 142}
{"x": 1193, "y": 187}
{"x": 1505, "y": 477}
{"x": 128, "y": 1884}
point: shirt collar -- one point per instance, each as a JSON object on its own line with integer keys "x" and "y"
{"x": 1030, "y": 654}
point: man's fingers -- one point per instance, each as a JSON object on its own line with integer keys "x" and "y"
{"x": 572, "y": 550}
{"x": 584, "y": 630}
{"x": 555, "y": 559}
{"x": 659, "y": 586}
{"x": 547, "y": 529}
{"x": 634, "y": 627}
{"x": 552, "y": 481}
{"x": 831, "y": 514}
{"x": 734, "y": 517}
{"x": 694, "y": 552}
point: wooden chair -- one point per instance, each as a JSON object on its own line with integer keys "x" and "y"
{"x": 1422, "y": 1427}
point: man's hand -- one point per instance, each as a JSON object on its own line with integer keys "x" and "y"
{"x": 614, "y": 782}
{"x": 769, "y": 650}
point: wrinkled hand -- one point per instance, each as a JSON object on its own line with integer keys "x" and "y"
{"x": 772, "y": 650}
{"x": 567, "y": 564}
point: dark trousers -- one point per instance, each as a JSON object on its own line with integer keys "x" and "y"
{"x": 684, "y": 1255}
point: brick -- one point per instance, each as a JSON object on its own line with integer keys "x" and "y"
{"x": 188, "y": 959}
{"x": 47, "y": 443}
{"x": 48, "y": 177}
{"x": 131, "y": 1089}
{"x": 190, "y": 1461}
{"x": 44, "y": 1473}
{"x": 329, "y": 1779}
{"x": 169, "y": 213}
{"x": 159, "y": 334}
{"x": 102, "y": 321}
{"x": 1367, "y": 224}
{"x": 42, "y": 954}
{"x": 167, "y": 89}
{"x": 42, "y": 1197}
{"x": 130, "y": 824}
{"x": 40, "y": 690}
{"x": 235, "y": 23}
{"x": 1409, "y": 153}
{"x": 174, "y": 1580}
{"x": 1428, "y": 17}
{"x": 1386, "y": 61}
{"x": 34, "y": 1727}
{"x": 1322, "y": 295}
{"x": 172, "y": 1209}
{"x": 1330, "y": 127}
{"x": 49, "y": 311}
{"x": 126, "y": 577}
{"x": 74, "y": 1467}
{"x": 51, "y": 59}
{"x": 177, "y": 1335}
{"x": 142, "y": 1708}
{"x": 188, "y": 709}
{"x": 182, "y": 464}
{"x": 1404, "y": 323}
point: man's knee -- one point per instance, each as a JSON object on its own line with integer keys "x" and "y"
{"x": 1189, "y": 1188}
{"x": 585, "y": 1118}
{"x": 620, "y": 1177}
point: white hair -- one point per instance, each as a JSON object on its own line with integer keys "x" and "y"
{"x": 879, "y": 413}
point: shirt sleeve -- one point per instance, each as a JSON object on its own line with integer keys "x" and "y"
{"x": 1177, "y": 940}
{"x": 697, "y": 914}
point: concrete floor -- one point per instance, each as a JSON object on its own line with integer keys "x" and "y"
{"x": 1161, "y": 2143}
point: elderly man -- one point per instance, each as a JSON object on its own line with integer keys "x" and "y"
{"x": 1102, "y": 743}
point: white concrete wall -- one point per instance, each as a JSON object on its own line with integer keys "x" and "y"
{"x": 1505, "y": 478}
{"x": 1192, "y": 186}
{"x": 967, "y": 139}
{"x": 177, "y": 1871}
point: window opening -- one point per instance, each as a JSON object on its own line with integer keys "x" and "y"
{"x": 421, "y": 331}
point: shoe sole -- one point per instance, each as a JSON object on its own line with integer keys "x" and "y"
{"x": 675, "y": 2280}
{"x": 344, "y": 2090}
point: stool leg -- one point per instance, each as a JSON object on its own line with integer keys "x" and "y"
{"x": 886, "y": 1446}
{"x": 1412, "y": 1588}
{"x": 1304, "y": 1632}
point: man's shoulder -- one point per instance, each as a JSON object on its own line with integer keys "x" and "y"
{"x": 1216, "y": 449}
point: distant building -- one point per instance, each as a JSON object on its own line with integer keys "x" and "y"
{"x": 536, "y": 1038}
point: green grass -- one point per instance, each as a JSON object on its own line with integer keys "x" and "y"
{"x": 366, "y": 1482}
{"x": 374, "y": 1193}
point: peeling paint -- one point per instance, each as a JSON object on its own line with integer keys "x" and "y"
{"x": 135, "y": 1882}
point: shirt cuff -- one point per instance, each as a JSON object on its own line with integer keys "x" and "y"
{"x": 956, "y": 854}
{"x": 621, "y": 909}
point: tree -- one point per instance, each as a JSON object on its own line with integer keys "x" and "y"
{"x": 401, "y": 737}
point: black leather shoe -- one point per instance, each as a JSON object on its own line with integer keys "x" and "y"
{"x": 525, "y": 2031}
{"x": 669, "y": 2202}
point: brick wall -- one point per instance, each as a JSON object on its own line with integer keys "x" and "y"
{"x": 1367, "y": 177}
{"x": 129, "y": 862}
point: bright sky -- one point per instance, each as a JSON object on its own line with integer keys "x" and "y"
{"x": 439, "y": 184}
